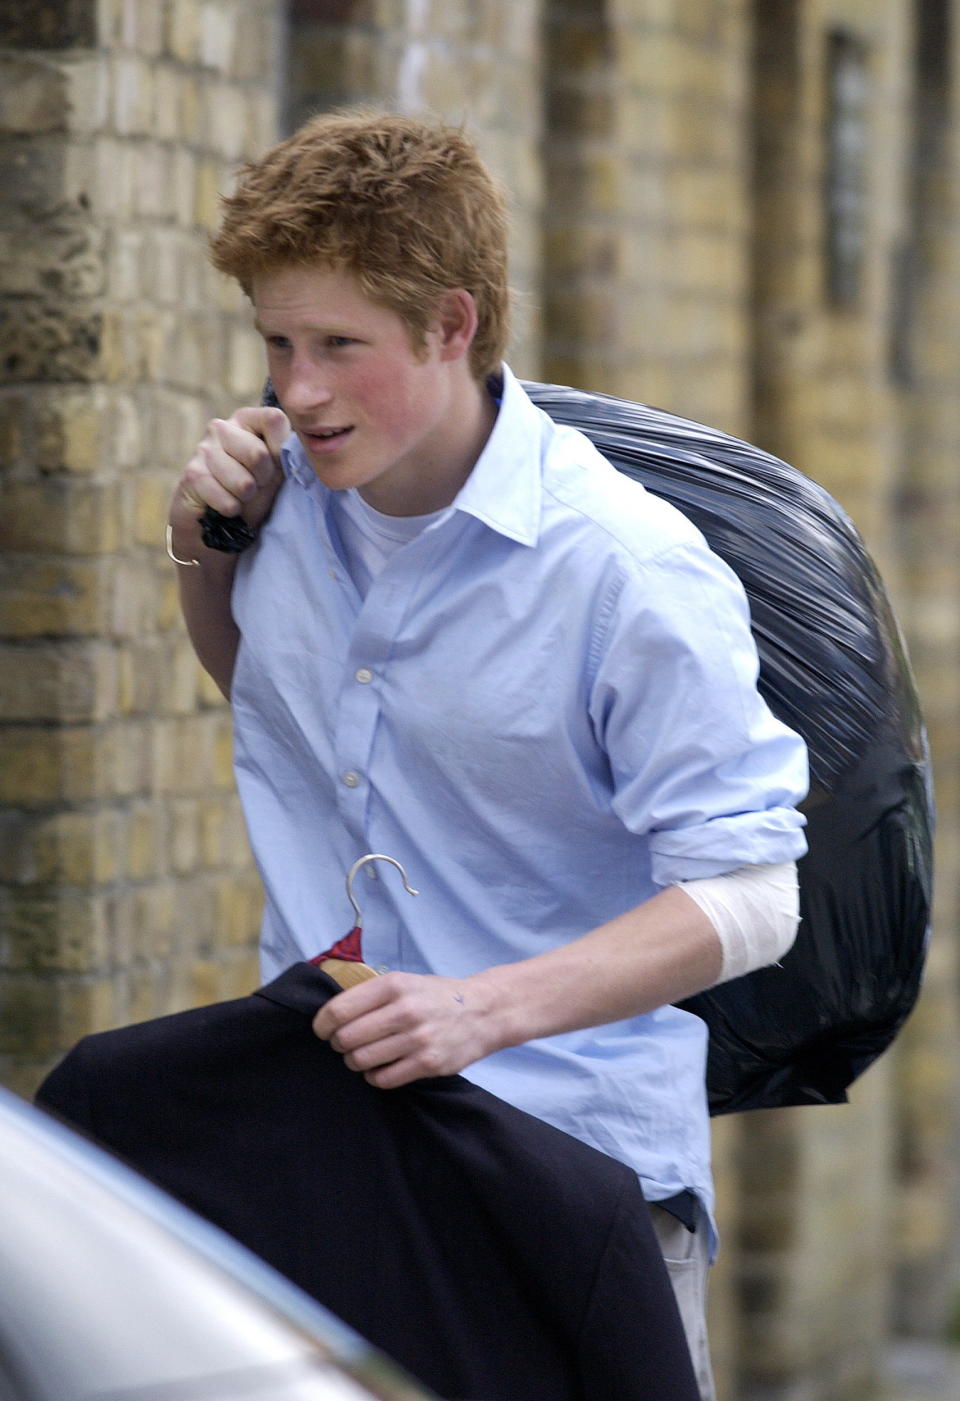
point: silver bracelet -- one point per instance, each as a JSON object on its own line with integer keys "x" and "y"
{"x": 168, "y": 540}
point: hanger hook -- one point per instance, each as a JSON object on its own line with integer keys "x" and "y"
{"x": 374, "y": 856}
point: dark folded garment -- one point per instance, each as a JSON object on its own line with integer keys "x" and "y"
{"x": 493, "y": 1256}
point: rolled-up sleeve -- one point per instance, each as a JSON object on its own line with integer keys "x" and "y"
{"x": 699, "y": 764}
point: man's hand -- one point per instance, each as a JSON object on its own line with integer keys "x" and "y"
{"x": 403, "y": 1027}
{"x": 235, "y": 469}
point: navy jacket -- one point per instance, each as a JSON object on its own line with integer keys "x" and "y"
{"x": 493, "y": 1256}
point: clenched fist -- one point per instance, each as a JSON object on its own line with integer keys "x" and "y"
{"x": 235, "y": 469}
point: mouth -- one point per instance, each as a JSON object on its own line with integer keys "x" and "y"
{"x": 323, "y": 439}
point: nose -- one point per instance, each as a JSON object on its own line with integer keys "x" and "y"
{"x": 305, "y": 388}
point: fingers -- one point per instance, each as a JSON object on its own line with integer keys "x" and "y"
{"x": 343, "y": 1013}
{"x": 269, "y": 424}
{"x": 235, "y": 468}
{"x": 227, "y": 467}
{"x": 371, "y": 1042}
{"x": 402, "y": 1027}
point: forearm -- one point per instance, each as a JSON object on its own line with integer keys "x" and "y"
{"x": 236, "y": 471}
{"x": 404, "y": 1026}
{"x": 659, "y": 952}
{"x": 205, "y": 604}
{"x": 205, "y": 582}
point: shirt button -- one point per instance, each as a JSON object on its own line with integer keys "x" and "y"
{"x": 351, "y": 779}
{"x": 363, "y": 675}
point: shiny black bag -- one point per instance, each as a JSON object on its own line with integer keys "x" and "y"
{"x": 832, "y": 667}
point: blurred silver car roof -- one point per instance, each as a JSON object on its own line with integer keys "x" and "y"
{"x": 112, "y": 1291}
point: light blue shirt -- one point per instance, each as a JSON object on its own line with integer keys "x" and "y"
{"x": 545, "y": 708}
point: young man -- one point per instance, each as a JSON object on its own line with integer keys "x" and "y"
{"x": 464, "y": 640}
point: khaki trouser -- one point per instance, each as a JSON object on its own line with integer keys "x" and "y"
{"x": 687, "y": 1261}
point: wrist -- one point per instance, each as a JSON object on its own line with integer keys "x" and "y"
{"x": 497, "y": 1008}
{"x": 183, "y": 560}
{"x": 186, "y": 544}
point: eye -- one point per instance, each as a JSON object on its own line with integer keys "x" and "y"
{"x": 338, "y": 342}
{"x": 277, "y": 342}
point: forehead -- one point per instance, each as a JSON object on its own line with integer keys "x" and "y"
{"x": 313, "y": 294}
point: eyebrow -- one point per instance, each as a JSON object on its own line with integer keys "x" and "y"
{"x": 317, "y": 330}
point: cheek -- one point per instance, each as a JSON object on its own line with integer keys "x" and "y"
{"x": 396, "y": 402}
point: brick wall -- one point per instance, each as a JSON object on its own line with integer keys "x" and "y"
{"x": 856, "y": 391}
{"x": 126, "y": 885}
{"x": 647, "y": 214}
{"x": 667, "y": 162}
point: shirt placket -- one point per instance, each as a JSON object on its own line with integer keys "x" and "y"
{"x": 358, "y": 714}
{"x": 384, "y": 611}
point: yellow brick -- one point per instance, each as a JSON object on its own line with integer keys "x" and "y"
{"x": 72, "y": 517}
{"x": 86, "y": 1007}
{"x": 212, "y": 833}
{"x": 32, "y": 760}
{"x": 66, "y": 683}
{"x": 125, "y": 759}
{"x": 51, "y": 598}
{"x": 152, "y": 910}
{"x": 50, "y": 339}
{"x": 179, "y": 680}
{"x": 204, "y": 984}
{"x": 33, "y": 95}
{"x": 144, "y": 999}
{"x": 237, "y": 852}
{"x": 222, "y": 774}
{"x": 262, "y": 123}
{"x": 182, "y": 31}
{"x": 67, "y": 848}
{"x": 142, "y": 26}
{"x": 165, "y": 123}
{"x": 28, "y": 1019}
{"x": 14, "y": 411}
{"x": 582, "y": 252}
{"x": 63, "y": 931}
{"x": 26, "y": 1074}
{"x": 578, "y": 46}
{"x": 241, "y": 975}
{"x": 184, "y": 853}
{"x": 151, "y": 503}
{"x": 142, "y": 842}
{"x": 69, "y": 433}
{"x": 128, "y": 676}
{"x": 188, "y": 106}
{"x": 655, "y": 60}
{"x": 238, "y": 909}
{"x": 210, "y": 180}
{"x": 82, "y": 772}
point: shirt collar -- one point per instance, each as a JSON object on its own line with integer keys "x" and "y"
{"x": 503, "y": 490}
{"x": 294, "y": 462}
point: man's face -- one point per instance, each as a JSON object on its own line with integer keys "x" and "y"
{"x": 370, "y": 411}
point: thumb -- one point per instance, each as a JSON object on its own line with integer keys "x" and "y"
{"x": 276, "y": 430}
{"x": 269, "y": 423}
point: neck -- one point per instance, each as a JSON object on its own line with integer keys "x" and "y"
{"x": 448, "y": 461}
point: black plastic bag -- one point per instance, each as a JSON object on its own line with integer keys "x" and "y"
{"x": 833, "y": 667}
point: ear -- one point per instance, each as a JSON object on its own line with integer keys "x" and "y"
{"x": 455, "y": 323}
